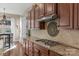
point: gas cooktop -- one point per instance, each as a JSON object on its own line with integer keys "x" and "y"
{"x": 48, "y": 42}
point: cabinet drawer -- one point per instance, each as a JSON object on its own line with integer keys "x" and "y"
{"x": 36, "y": 52}
{"x": 52, "y": 53}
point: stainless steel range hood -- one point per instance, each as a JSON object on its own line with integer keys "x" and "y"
{"x": 48, "y": 18}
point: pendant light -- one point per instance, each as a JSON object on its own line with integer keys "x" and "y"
{"x": 4, "y": 21}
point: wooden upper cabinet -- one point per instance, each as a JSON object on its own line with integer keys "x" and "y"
{"x": 76, "y": 16}
{"x": 29, "y": 19}
{"x": 41, "y": 9}
{"x": 36, "y": 16}
{"x": 36, "y": 11}
{"x": 50, "y": 8}
{"x": 32, "y": 14}
{"x": 65, "y": 14}
{"x": 32, "y": 18}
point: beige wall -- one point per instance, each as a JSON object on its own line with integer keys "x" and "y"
{"x": 17, "y": 28}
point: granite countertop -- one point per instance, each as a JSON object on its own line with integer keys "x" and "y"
{"x": 69, "y": 37}
{"x": 61, "y": 49}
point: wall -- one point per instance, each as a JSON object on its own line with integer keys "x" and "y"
{"x": 23, "y": 29}
{"x": 15, "y": 28}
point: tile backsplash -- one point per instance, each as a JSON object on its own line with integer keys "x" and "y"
{"x": 69, "y": 37}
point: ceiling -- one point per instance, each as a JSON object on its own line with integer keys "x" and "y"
{"x": 15, "y": 8}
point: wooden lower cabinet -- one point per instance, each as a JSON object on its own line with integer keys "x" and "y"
{"x": 26, "y": 47}
{"x": 36, "y": 52}
{"x": 34, "y": 49}
{"x": 52, "y": 53}
{"x": 43, "y": 51}
{"x": 40, "y": 51}
{"x": 30, "y": 48}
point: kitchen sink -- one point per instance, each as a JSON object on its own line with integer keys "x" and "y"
{"x": 48, "y": 42}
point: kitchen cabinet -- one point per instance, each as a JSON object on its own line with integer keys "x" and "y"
{"x": 65, "y": 14}
{"x": 43, "y": 51}
{"x": 50, "y": 8}
{"x": 30, "y": 48}
{"x": 41, "y": 10}
{"x": 76, "y": 15}
{"x": 32, "y": 18}
{"x": 32, "y": 13}
{"x": 36, "y": 16}
{"x": 37, "y": 11}
{"x": 33, "y": 49}
{"x": 27, "y": 47}
{"x": 36, "y": 50}
{"x": 52, "y": 53}
{"x": 29, "y": 19}
{"x": 40, "y": 51}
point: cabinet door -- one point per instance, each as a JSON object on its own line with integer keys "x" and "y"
{"x": 27, "y": 47}
{"x": 42, "y": 10}
{"x": 32, "y": 19}
{"x": 50, "y": 8}
{"x": 29, "y": 20}
{"x": 65, "y": 13}
{"x": 52, "y": 53}
{"x": 40, "y": 51}
{"x": 76, "y": 15}
{"x": 30, "y": 48}
{"x": 36, "y": 52}
{"x": 36, "y": 16}
{"x": 43, "y": 51}
{"x": 37, "y": 11}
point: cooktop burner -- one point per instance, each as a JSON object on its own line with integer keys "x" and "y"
{"x": 48, "y": 42}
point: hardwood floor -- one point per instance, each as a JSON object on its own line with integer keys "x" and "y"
{"x": 17, "y": 51}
